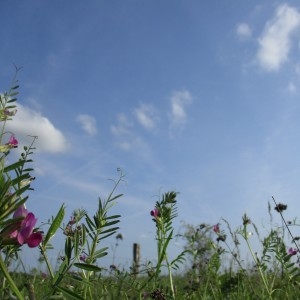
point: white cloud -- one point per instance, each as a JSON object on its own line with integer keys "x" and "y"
{"x": 179, "y": 100}
{"x": 243, "y": 30}
{"x": 275, "y": 42}
{"x": 30, "y": 122}
{"x": 88, "y": 124}
{"x": 145, "y": 115}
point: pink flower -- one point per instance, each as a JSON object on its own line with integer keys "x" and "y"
{"x": 13, "y": 141}
{"x": 155, "y": 213}
{"x": 24, "y": 233}
{"x": 216, "y": 228}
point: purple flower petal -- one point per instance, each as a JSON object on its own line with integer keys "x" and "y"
{"x": 20, "y": 212}
{"x": 34, "y": 239}
{"x": 13, "y": 141}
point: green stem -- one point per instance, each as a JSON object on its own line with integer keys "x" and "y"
{"x": 11, "y": 282}
{"x": 92, "y": 253}
{"x": 257, "y": 263}
{"x": 170, "y": 278}
{"x": 43, "y": 252}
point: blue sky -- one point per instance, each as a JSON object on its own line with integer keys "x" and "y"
{"x": 200, "y": 97}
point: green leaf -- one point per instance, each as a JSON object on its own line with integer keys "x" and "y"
{"x": 55, "y": 225}
{"x": 12, "y": 94}
{"x": 87, "y": 267}
{"x": 90, "y": 223}
{"x": 83, "y": 236}
{"x": 80, "y": 280}
{"x": 107, "y": 235}
{"x": 60, "y": 273}
{"x": 12, "y": 208}
{"x": 113, "y": 217}
{"x": 111, "y": 223}
{"x": 68, "y": 249}
{"x": 77, "y": 238}
{"x": 69, "y": 294}
{"x": 110, "y": 230}
{"x": 100, "y": 253}
{"x": 114, "y": 198}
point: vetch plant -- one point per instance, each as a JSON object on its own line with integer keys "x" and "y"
{"x": 16, "y": 223}
{"x": 84, "y": 235}
{"x": 163, "y": 215}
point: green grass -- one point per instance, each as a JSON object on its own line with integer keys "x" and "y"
{"x": 226, "y": 285}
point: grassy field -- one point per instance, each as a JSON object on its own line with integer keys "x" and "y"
{"x": 211, "y": 265}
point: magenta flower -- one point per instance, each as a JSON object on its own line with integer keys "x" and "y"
{"x": 216, "y": 228}
{"x": 292, "y": 251}
{"x": 24, "y": 234}
{"x": 13, "y": 141}
{"x": 155, "y": 213}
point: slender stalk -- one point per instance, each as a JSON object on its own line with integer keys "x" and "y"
{"x": 257, "y": 263}
{"x": 10, "y": 280}
{"x": 43, "y": 252}
{"x": 170, "y": 278}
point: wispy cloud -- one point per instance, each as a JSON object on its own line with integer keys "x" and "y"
{"x": 243, "y": 30}
{"x": 30, "y": 122}
{"x": 145, "y": 115}
{"x": 88, "y": 124}
{"x": 123, "y": 133}
{"x": 275, "y": 42}
{"x": 179, "y": 101}
{"x": 122, "y": 127}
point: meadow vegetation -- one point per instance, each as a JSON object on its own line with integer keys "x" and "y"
{"x": 212, "y": 264}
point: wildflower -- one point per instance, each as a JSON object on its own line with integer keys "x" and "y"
{"x": 202, "y": 226}
{"x": 216, "y": 228}
{"x": 292, "y": 251}
{"x": 10, "y": 113}
{"x": 13, "y": 142}
{"x": 83, "y": 257}
{"x": 155, "y": 213}
{"x": 246, "y": 220}
{"x": 280, "y": 207}
{"x": 24, "y": 233}
{"x": 221, "y": 238}
{"x": 119, "y": 236}
{"x": 72, "y": 220}
{"x": 5, "y": 114}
